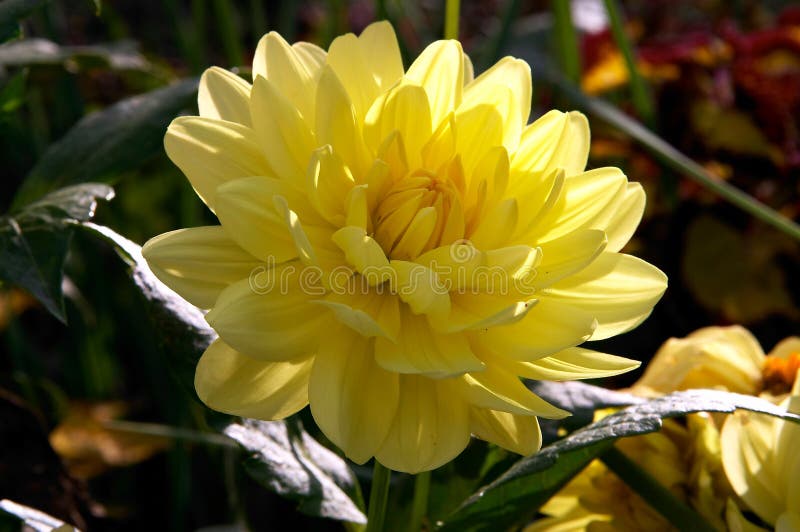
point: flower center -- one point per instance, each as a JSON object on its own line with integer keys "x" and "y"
{"x": 419, "y": 212}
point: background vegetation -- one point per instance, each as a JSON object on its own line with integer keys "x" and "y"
{"x": 719, "y": 81}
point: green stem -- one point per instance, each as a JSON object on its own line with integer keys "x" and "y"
{"x": 640, "y": 92}
{"x": 419, "y": 506}
{"x": 676, "y": 160}
{"x": 378, "y": 497}
{"x": 227, "y": 27}
{"x": 452, "y": 9}
{"x": 654, "y": 493}
{"x": 566, "y": 40}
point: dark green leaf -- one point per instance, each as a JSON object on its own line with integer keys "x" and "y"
{"x": 12, "y": 94}
{"x": 182, "y": 329}
{"x": 120, "y": 55}
{"x": 11, "y": 12}
{"x": 580, "y": 399}
{"x": 287, "y": 460}
{"x": 35, "y": 519}
{"x": 108, "y": 142}
{"x": 34, "y": 241}
{"x": 517, "y": 494}
{"x": 283, "y": 456}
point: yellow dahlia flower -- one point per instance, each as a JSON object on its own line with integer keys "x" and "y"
{"x": 684, "y": 459}
{"x": 397, "y": 247}
{"x": 713, "y": 357}
{"x": 759, "y": 454}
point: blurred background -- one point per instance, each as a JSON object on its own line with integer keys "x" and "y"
{"x": 94, "y": 427}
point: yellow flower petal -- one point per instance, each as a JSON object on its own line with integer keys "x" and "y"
{"x": 626, "y": 218}
{"x": 283, "y": 134}
{"x": 497, "y": 389}
{"x": 246, "y": 209}
{"x": 420, "y": 349}
{"x": 632, "y": 284}
{"x": 364, "y": 254}
{"x": 382, "y": 53}
{"x": 311, "y": 56}
{"x": 224, "y": 95}
{"x": 279, "y": 63}
{"x": 198, "y": 263}
{"x": 347, "y": 58}
{"x": 744, "y": 436}
{"x": 549, "y": 327}
{"x": 574, "y": 363}
{"x": 230, "y": 382}
{"x": 519, "y": 434}
{"x": 274, "y": 320}
{"x": 212, "y": 152}
{"x": 588, "y": 201}
{"x": 369, "y": 314}
{"x": 430, "y": 428}
{"x": 405, "y": 110}
{"x": 439, "y": 69}
{"x": 419, "y": 287}
{"x": 510, "y": 73}
{"x": 352, "y": 399}
{"x": 337, "y": 123}
{"x": 328, "y": 183}
{"x": 567, "y": 255}
{"x": 556, "y": 140}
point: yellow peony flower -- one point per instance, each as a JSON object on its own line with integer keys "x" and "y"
{"x": 759, "y": 454}
{"x": 397, "y": 248}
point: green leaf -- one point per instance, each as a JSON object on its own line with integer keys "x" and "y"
{"x": 182, "y": 330}
{"x": 34, "y": 241}
{"x": 518, "y": 493}
{"x": 670, "y": 156}
{"x": 12, "y": 94}
{"x": 282, "y": 456}
{"x": 120, "y": 55}
{"x": 106, "y": 143}
{"x": 580, "y": 399}
{"x": 287, "y": 460}
{"x": 12, "y": 12}
{"x": 32, "y": 518}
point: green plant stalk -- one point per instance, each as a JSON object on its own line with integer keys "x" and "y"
{"x": 500, "y": 40}
{"x": 419, "y": 505}
{"x": 378, "y": 497}
{"x": 640, "y": 92}
{"x": 228, "y": 33}
{"x": 380, "y": 10}
{"x": 676, "y": 160}
{"x": 654, "y": 493}
{"x": 452, "y": 9}
{"x": 566, "y": 40}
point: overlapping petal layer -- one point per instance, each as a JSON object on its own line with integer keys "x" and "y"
{"x": 398, "y": 247}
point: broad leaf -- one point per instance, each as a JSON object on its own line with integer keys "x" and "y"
{"x": 34, "y": 241}
{"x": 578, "y": 398}
{"x": 12, "y": 93}
{"x": 518, "y": 493}
{"x": 181, "y": 327}
{"x": 120, "y": 55}
{"x": 34, "y": 519}
{"x": 108, "y": 142}
{"x": 287, "y": 460}
{"x": 283, "y": 457}
{"x": 12, "y": 12}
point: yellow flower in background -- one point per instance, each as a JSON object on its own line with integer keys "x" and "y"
{"x": 712, "y": 357}
{"x": 684, "y": 459}
{"x": 397, "y": 248}
{"x": 761, "y": 460}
